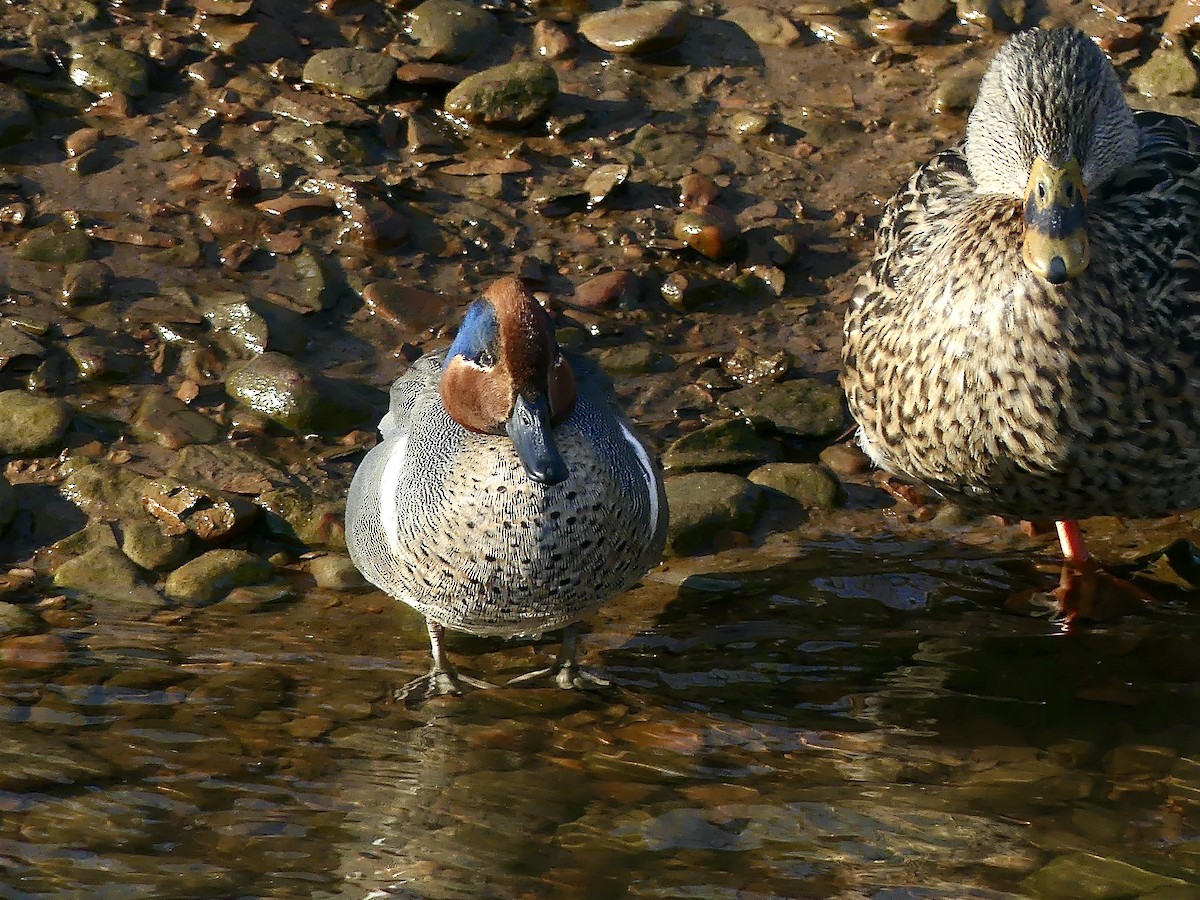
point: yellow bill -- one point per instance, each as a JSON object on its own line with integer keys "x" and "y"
{"x": 1056, "y": 242}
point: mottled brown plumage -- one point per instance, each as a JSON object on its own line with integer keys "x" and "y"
{"x": 975, "y": 375}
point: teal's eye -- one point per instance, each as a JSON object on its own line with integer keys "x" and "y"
{"x": 485, "y": 359}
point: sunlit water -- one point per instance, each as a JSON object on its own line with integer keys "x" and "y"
{"x": 866, "y": 721}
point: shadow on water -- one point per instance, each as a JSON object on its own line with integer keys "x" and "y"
{"x": 866, "y": 722}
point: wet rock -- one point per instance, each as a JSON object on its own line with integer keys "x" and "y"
{"x": 954, "y": 93}
{"x": 107, "y": 574}
{"x": 104, "y": 490}
{"x": 31, "y": 425}
{"x": 705, "y": 503}
{"x": 764, "y": 26}
{"x": 52, "y": 245}
{"x": 106, "y": 69}
{"x": 86, "y": 282}
{"x": 551, "y": 40}
{"x": 210, "y": 515}
{"x": 36, "y": 652}
{"x": 721, "y": 445}
{"x": 315, "y": 287}
{"x": 812, "y": 486}
{"x": 209, "y": 577}
{"x": 837, "y": 30}
{"x": 748, "y": 123}
{"x": 16, "y": 619}
{"x": 295, "y": 397}
{"x": 16, "y": 115}
{"x": 356, "y": 73}
{"x": 148, "y": 545}
{"x": 511, "y": 95}
{"x": 653, "y": 26}
{"x": 318, "y": 109}
{"x": 802, "y": 408}
{"x": 1168, "y": 72}
{"x": 169, "y": 421}
{"x": 252, "y": 326}
{"x": 895, "y": 31}
{"x": 220, "y": 467}
{"x": 845, "y": 459}
{"x": 305, "y": 517}
{"x": 451, "y": 30}
{"x": 1085, "y": 876}
{"x": 399, "y": 304}
{"x": 710, "y": 231}
{"x": 619, "y": 288}
{"x": 631, "y": 359}
{"x": 1133, "y": 760}
{"x": 97, "y": 359}
{"x": 336, "y": 573}
{"x": 751, "y": 367}
{"x": 603, "y": 181}
{"x": 925, "y": 10}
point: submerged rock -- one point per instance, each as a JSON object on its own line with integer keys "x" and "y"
{"x": 653, "y": 26}
{"x": 705, "y": 503}
{"x": 511, "y": 95}
{"x": 721, "y": 445}
{"x": 361, "y": 74}
{"x": 1086, "y": 875}
{"x": 802, "y": 408}
{"x": 31, "y": 425}
{"x": 108, "y": 574}
{"x": 16, "y": 619}
{"x": 53, "y": 245}
{"x": 451, "y": 30}
{"x": 209, "y": 577}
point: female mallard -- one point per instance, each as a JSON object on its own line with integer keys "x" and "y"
{"x": 509, "y": 495}
{"x": 1026, "y": 340}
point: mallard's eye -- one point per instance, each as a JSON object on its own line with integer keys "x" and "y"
{"x": 485, "y": 359}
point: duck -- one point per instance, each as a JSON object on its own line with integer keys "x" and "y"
{"x": 1026, "y": 339}
{"x": 509, "y": 495}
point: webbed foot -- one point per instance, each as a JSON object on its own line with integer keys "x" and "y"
{"x": 566, "y": 672}
{"x": 438, "y": 682}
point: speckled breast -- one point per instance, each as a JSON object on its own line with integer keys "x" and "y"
{"x": 454, "y": 526}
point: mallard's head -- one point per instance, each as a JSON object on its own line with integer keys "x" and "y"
{"x": 504, "y": 374}
{"x": 1050, "y": 126}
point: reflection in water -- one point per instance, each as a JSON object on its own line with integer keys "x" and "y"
{"x": 851, "y": 725}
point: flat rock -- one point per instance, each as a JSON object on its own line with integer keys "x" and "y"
{"x": 29, "y": 761}
{"x": 801, "y": 408}
{"x": 810, "y": 485}
{"x": 648, "y": 28}
{"x": 1168, "y": 72}
{"x": 169, "y": 421}
{"x": 511, "y": 95}
{"x": 108, "y": 574}
{"x": 209, "y": 577}
{"x": 765, "y": 26}
{"x": 451, "y": 30}
{"x": 721, "y": 445}
{"x": 361, "y": 74}
{"x": 705, "y": 503}
{"x": 31, "y": 425}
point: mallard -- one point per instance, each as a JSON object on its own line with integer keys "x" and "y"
{"x": 1026, "y": 339}
{"x": 509, "y": 495}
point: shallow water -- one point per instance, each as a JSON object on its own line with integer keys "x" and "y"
{"x": 863, "y": 721}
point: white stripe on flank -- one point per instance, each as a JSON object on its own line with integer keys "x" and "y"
{"x": 647, "y": 471}
{"x": 389, "y": 485}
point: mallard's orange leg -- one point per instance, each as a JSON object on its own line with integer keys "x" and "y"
{"x": 1071, "y": 539}
{"x": 1085, "y": 591}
